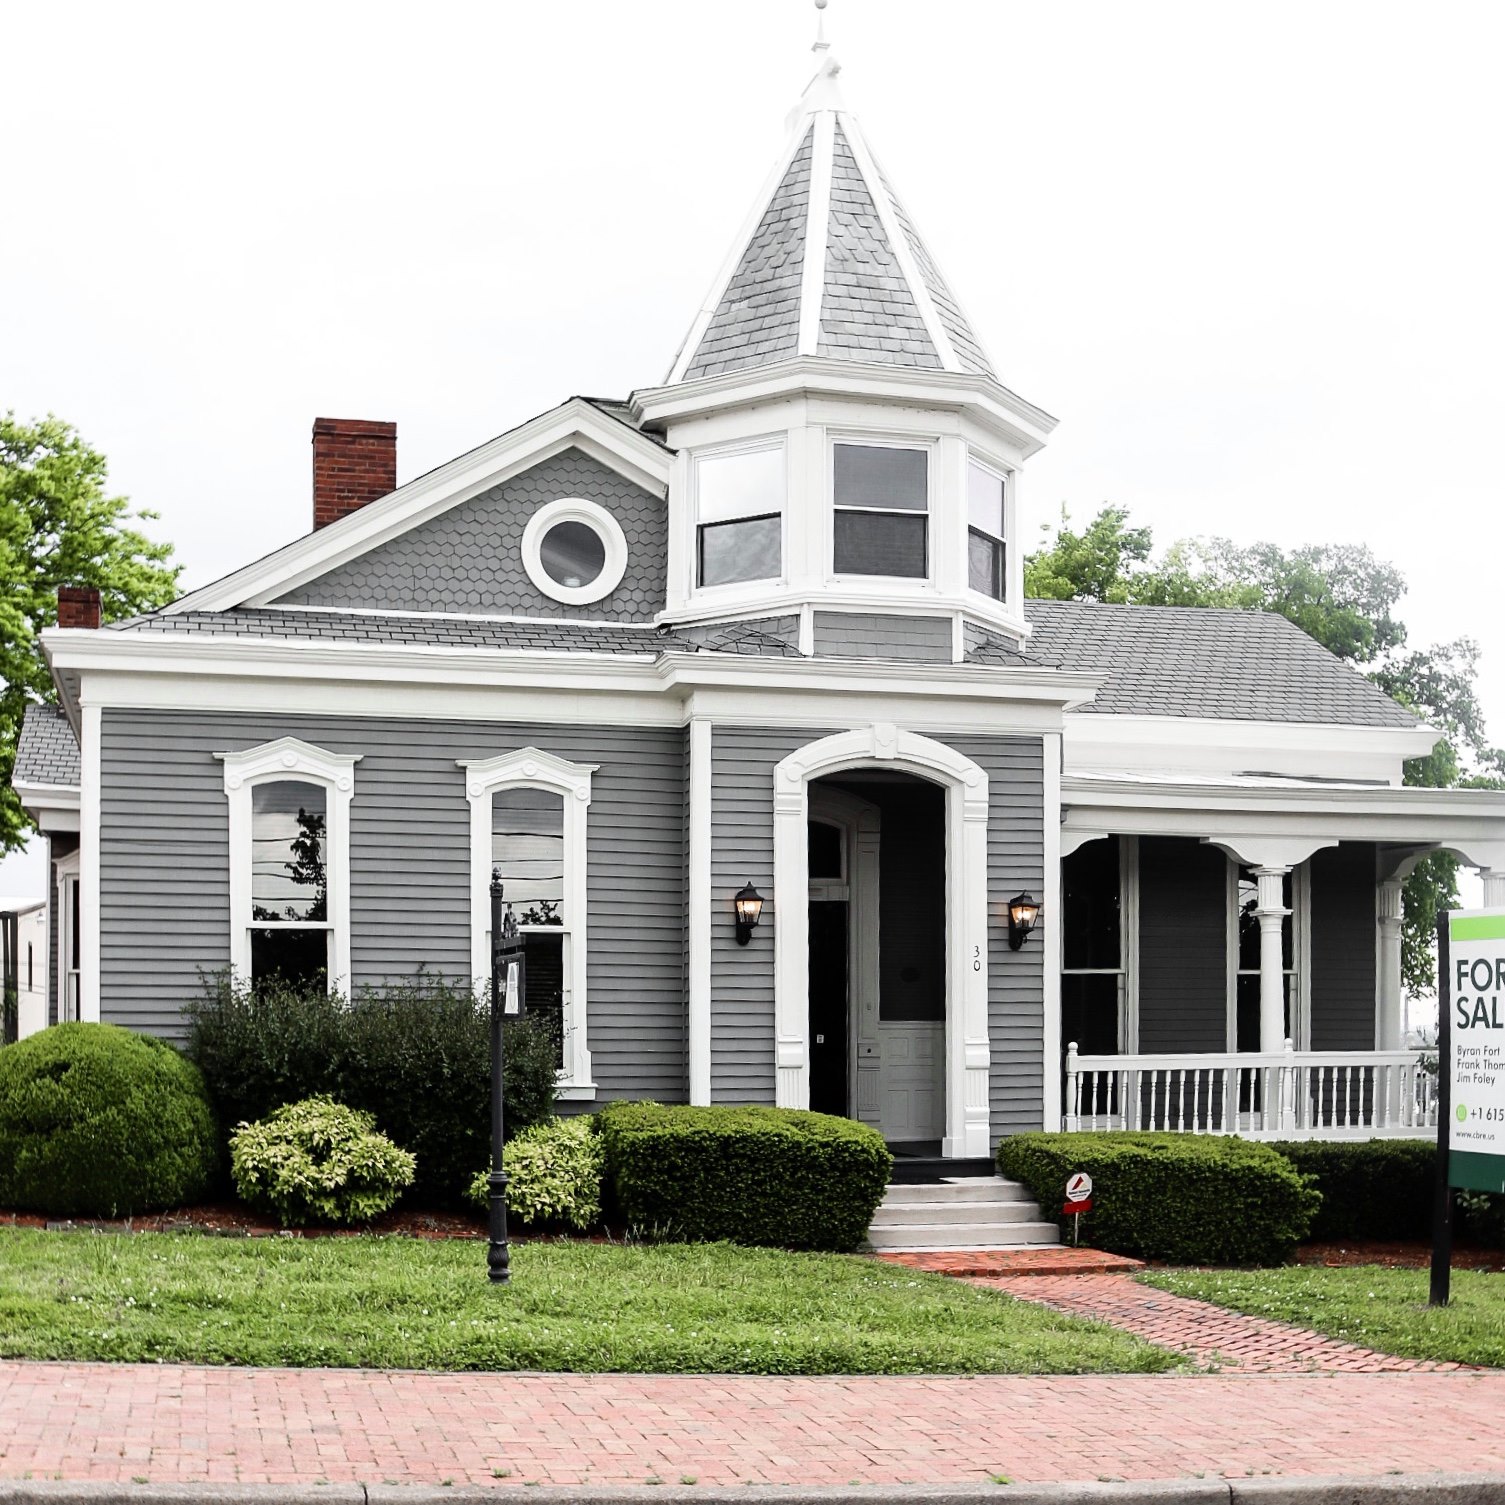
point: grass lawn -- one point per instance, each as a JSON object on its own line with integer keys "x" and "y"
{"x": 420, "y": 1304}
{"x": 1375, "y": 1306}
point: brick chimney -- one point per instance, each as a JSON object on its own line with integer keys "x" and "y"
{"x": 77, "y": 606}
{"x": 355, "y": 461}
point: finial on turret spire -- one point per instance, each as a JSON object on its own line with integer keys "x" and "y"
{"x": 821, "y": 44}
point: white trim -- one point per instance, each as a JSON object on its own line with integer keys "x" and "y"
{"x": 90, "y": 806}
{"x": 290, "y": 760}
{"x": 1129, "y": 940}
{"x": 698, "y": 916}
{"x": 54, "y": 807}
{"x": 66, "y": 872}
{"x": 1052, "y": 906}
{"x": 968, "y": 1055}
{"x": 532, "y": 768}
{"x": 817, "y": 230}
{"x": 573, "y": 425}
{"x": 1300, "y": 970}
{"x": 575, "y": 509}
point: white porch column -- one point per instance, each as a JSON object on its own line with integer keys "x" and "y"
{"x": 1494, "y": 887}
{"x": 1389, "y": 1030}
{"x": 1272, "y": 969}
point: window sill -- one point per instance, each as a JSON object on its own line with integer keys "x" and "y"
{"x": 575, "y": 1092}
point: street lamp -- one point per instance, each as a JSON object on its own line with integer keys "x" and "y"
{"x": 508, "y": 994}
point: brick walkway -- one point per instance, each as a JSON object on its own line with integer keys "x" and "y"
{"x": 1048, "y": 1259}
{"x": 1212, "y": 1335}
{"x": 171, "y": 1423}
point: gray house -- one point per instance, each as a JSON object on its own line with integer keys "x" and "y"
{"x": 758, "y": 633}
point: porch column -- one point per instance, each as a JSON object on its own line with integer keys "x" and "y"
{"x": 1494, "y": 887}
{"x": 1390, "y": 965}
{"x": 1272, "y": 972}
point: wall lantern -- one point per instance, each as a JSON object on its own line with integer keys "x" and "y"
{"x": 749, "y": 903}
{"x": 1023, "y": 912}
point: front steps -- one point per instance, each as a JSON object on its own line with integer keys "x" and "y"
{"x": 959, "y": 1212}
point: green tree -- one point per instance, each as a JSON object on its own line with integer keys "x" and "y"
{"x": 1340, "y": 594}
{"x": 59, "y": 527}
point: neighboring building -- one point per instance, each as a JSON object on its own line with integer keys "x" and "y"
{"x": 762, "y": 623}
{"x": 23, "y": 964}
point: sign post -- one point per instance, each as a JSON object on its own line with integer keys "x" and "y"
{"x": 1470, "y": 1071}
{"x": 1078, "y": 1201}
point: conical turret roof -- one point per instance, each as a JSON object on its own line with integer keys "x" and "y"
{"x": 829, "y": 264}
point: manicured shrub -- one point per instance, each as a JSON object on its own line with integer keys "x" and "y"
{"x": 318, "y": 1162}
{"x": 1371, "y": 1189}
{"x": 97, "y": 1121}
{"x": 1185, "y": 1198}
{"x": 554, "y": 1173}
{"x": 418, "y": 1056}
{"x": 774, "y": 1176}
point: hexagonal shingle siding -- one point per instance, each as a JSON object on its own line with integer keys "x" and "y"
{"x": 470, "y": 559}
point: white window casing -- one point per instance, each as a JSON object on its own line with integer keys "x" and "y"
{"x": 575, "y": 509}
{"x": 290, "y": 760}
{"x": 747, "y": 483}
{"x": 532, "y": 768}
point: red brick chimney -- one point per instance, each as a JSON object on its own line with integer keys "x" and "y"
{"x": 355, "y": 461}
{"x": 77, "y": 606}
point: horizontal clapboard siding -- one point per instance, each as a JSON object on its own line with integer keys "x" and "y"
{"x": 1183, "y": 946}
{"x": 1344, "y": 937}
{"x": 1015, "y": 767}
{"x": 165, "y": 885}
{"x": 850, "y": 634}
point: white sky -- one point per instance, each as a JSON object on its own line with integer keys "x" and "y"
{"x": 1248, "y": 253}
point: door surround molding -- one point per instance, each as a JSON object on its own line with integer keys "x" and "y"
{"x": 968, "y": 1055}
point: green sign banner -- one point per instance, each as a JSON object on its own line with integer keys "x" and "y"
{"x": 1476, "y": 974}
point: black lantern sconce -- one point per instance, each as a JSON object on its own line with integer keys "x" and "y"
{"x": 1023, "y": 913}
{"x": 749, "y": 905}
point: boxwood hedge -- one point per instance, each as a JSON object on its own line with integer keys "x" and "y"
{"x": 775, "y": 1176}
{"x": 1371, "y": 1189}
{"x": 1185, "y": 1198}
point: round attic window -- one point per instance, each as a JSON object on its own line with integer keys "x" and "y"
{"x": 574, "y": 551}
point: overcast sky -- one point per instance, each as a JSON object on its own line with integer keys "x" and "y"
{"x": 1249, "y": 254}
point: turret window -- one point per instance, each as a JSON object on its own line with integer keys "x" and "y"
{"x": 739, "y": 501}
{"x": 986, "y": 533}
{"x": 882, "y": 500}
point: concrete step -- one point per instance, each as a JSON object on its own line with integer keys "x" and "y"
{"x": 909, "y": 1214}
{"x": 963, "y": 1236}
{"x": 973, "y": 1189}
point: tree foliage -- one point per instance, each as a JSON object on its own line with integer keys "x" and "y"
{"x": 1345, "y": 598}
{"x": 58, "y": 526}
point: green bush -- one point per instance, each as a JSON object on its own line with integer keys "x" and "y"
{"x": 1185, "y": 1198}
{"x": 774, "y": 1176}
{"x": 97, "y": 1121}
{"x": 1371, "y": 1189}
{"x": 418, "y": 1056}
{"x": 554, "y": 1173}
{"x": 318, "y": 1162}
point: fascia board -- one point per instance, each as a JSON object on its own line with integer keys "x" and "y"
{"x": 54, "y": 807}
{"x": 1245, "y": 800}
{"x": 641, "y": 459}
{"x": 1106, "y": 729}
{"x": 992, "y": 405}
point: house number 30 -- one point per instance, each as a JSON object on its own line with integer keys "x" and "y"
{"x": 977, "y": 958}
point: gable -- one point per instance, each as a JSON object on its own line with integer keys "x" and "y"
{"x": 469, "y": 559}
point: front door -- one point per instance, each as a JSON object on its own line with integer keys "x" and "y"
{"x": 828, "y": 1006}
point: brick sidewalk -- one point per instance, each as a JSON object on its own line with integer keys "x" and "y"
{"x": 171, "y": 1423}
{"x": 1212, "y": 1335}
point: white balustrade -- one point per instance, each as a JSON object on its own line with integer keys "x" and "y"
{"x": 1287, "y": 1094}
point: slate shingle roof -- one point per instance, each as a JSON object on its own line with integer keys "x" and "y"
{"x": 1205, "y": 661}
{"x": 46, "y": 751}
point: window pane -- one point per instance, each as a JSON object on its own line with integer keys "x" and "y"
{"x": 297, "y": 959}
{"x": 985, "y": 500}
{"x": 874, "y": 475}
{"x": 985, "y": 564}
{"x": 1089, "y": 1012}
{"x": 1090, "y": 932}
{"x": 729, "y": 486}
{"x": 543, "y": 982}
{"x": 749, "y": 550}
{"x": 288, "y": 881}
{"x": 572, "y": 554}
{"x": 877, "y": 543}
{"x": 825, "y": 851}
{"x": 1248, "y": 923}
{"x": 527, "y": 849}
{"x": 1248, "y": 1012}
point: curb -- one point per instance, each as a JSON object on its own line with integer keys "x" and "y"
{"x": 1385, "y": 1489}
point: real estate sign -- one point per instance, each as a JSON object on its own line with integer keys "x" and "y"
{"x": 1476, "y": 1054}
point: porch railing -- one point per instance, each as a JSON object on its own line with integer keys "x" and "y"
{"x": 1289, "y": 1094}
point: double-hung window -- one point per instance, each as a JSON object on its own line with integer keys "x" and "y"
{"x": 528, "y": 826}
{"x": 881, "y": 494}
{"x": 987, "y": 514}
{"x": 739, "y": 517}
{"x": 289, "y": 829}
{"x": 1097, "y": 899}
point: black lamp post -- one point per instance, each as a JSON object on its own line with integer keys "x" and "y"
{"x": 508, "y": 990}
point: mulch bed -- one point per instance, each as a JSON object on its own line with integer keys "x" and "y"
{"x": 1405, "y": 1255}
{"x": 231, "y": 1220}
